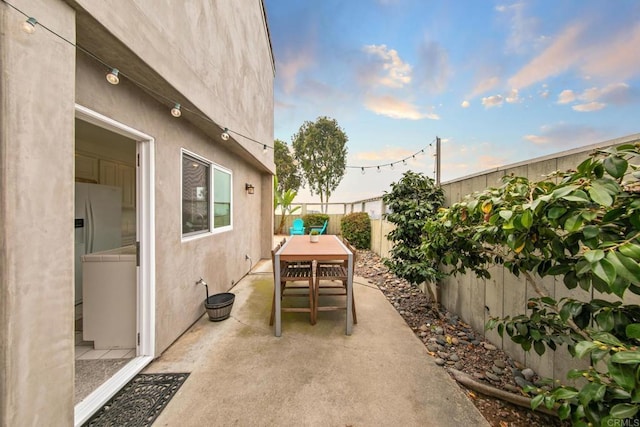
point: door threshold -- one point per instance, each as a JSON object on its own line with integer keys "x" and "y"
{"x": 96, "y": 400}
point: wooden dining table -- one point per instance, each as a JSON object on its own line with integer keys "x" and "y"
{"x": 300, "y": 248}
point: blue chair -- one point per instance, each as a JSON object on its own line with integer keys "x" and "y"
{"x": 298, "y": 227}
{"x": 320, "y": 229}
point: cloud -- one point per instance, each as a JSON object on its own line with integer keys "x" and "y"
{"x": 396, "y": 109}
{"x": 595, "y": 98}
{"x": 566, "y": 135}
{"x": 289, "y": 69}
{"x": 555, "y": 59}
{"x": 513, "y": 97}
{"x": 522, "y": 29}
{"x": 387, "y": 68}
{"x": 492, "y": 101}
{"x": 536, "y": 139}
{"x": 432, "y": 70}
{"x": 465, "y": 104}
{"x": 591, "y": 106}
{"x": 484, "y": 86}
{"x": 617, "y": 58}
{"x": 566, "y": 96}
{"x": 611, "y": 56}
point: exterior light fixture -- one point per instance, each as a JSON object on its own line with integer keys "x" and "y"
{"x": 112, "y": 76}
{"x": 250, "y": 188}
{"x": 225, "y": 134}
{"x": 29, "y": 26}
{"x": 176, "y": 110}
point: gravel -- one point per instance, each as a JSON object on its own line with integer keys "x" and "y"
{"x": 453, "y": 343}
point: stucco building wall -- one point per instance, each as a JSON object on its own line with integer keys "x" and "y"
{"x": 212, "y": 57}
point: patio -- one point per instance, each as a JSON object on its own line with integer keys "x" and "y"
{"x": 241, "y": 374}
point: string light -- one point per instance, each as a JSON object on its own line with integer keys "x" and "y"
{"x": 29, "y": 26}
{"x": 391, "y": 165}
{"x": 114, "y": 74}
{"x": 225, "y": 134}
{"x": 176, "y": 110}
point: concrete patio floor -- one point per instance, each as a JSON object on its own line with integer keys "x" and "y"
{"x": 242, "y": 375}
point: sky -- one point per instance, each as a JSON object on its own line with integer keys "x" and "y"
{"x": 498, "y": 82}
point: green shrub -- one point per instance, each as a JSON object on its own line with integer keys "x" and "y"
{"x": 356, "y": 228}
{"x": 315, "y": 220}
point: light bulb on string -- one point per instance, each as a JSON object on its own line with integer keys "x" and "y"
{"x": 379, "y": 170}
{"x": 29, "y": 26}
{"x": 391, "y": 165}
{"x": 176, "y": 111}
{"x": 264, "y": 148}
{"x": 112, "y": 76}
{"x": 362, "y": 171}
{"x": 225, "y": 134}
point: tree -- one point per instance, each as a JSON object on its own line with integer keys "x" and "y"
{"x": 412, "y": 201}
{"x": 321, "y": 150}
{"x": 584, "y": 227}
{"x": 286, "y": 168}
{"x": 284, "y": 199}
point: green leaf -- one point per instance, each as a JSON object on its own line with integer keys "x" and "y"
{"x": 626, "y": 357}
{"x": 539, "y": 347}
{"x": 563, "y": 191}
{"x": 607, "y": 338}
{"x": 633, "y": 330}
{"x": 556, "y": 212}
{"x": 564, "y": 411}
{"x": 624, "y": 410}
{"x": 573, "y": 223}
{"x": 584, "y": 347}
{"x": 590, "y": 232}
{"x": 625, "y": 266}
{"x": 605, "y": 271}
{"x": 594, "y": 256}
{"x": 600, "y": 195}
{"x": 615, "y": 166}
{"x": 536, "y": 401}
{"x": 631, "y": 250}
{"x": 578, "y": 196}
{"x": 605, "y": 320}
{"x": 527, "y": 219}
{"x": 563, "y": 393}
{"x": 505, "y": 214}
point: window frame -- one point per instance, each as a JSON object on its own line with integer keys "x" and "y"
{"x": 213, "y": 167}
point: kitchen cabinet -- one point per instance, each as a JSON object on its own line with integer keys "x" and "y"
{"x": 120, "y": 175}
{"x": 86, "y": 168}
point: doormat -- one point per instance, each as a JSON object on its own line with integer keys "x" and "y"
{"x": 140, "y": 402}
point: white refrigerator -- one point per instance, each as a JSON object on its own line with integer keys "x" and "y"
{"x": 98, "y": 224}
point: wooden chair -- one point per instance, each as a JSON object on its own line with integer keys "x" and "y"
{"x": 293, "y": 272}
{"x": 330, "y": 272}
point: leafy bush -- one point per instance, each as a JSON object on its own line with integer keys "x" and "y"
{"x": 356, "y": 228}
{"x": 315, "y": 220}
{"x": 412, "y": 201}
{"x": 584, "y": 228}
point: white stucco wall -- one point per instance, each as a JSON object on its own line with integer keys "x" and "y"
{"x": 214, "y": 57}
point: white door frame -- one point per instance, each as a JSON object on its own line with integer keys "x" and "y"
{"x": 145, "y": 226}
